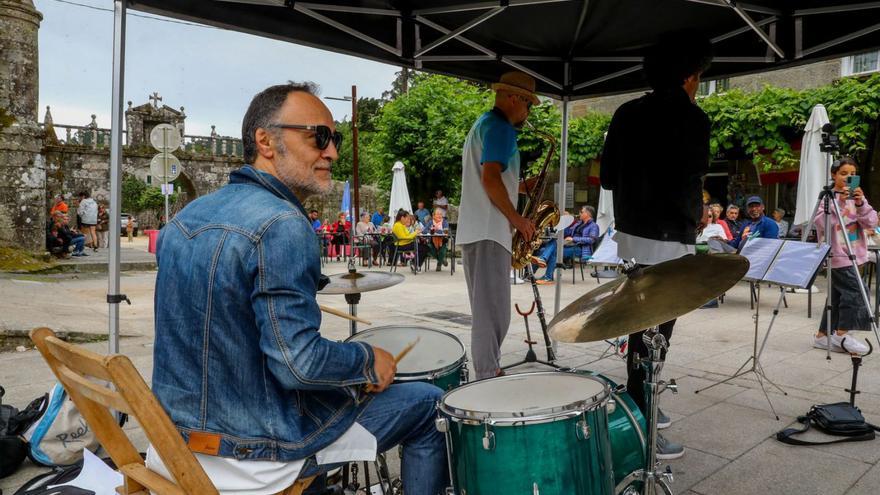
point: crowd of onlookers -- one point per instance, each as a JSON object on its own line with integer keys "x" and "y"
{"x": 89, "y": 231}
{"x": 408, "y": 238}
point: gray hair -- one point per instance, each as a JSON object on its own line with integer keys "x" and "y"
{"x": 589, "y": 209}
{"x": 262, "y": 111}
{"x": 732, "y": 207}
{"x": 779, "y": 210}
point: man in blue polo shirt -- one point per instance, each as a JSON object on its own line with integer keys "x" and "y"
{"x": 758, "y": 225}
{"x": 378, "y": 217}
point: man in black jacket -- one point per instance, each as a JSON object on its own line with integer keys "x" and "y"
{"x": 656, "y": 152}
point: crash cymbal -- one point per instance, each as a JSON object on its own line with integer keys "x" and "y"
{"x": 643, "y": 300}
{"x": 357, "y": 282}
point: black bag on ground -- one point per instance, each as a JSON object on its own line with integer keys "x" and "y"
{"x": 13, "y": 448}
{"x": 839, "y": 419}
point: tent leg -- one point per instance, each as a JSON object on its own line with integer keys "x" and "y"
{"x": 563, "y": 177}
{"x": 114, "y": 298}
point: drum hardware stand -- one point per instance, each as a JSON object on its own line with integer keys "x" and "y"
{"x": 531, "y": 356}
{"x": 653, "y": 481}
{"x": 352, "y": 299}
{"x": 755, "y": 358}
{"x": 856, "y": 364}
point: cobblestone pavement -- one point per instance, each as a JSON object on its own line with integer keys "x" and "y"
{"x": 727, "y": 429}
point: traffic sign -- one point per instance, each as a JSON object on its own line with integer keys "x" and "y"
{"x": 165, "y": 137}
{"x": 165, "y": 167}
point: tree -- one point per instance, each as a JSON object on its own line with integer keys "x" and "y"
{"x": 425, "y": 129}
{"x": 132, "y": 190}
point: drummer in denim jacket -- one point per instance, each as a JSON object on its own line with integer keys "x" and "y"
{"x": 258, "y": 394}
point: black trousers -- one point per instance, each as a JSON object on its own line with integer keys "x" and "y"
{"x": 635, "y": 383}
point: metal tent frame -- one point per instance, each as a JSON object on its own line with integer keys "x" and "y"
{"x": 573, "y": 48}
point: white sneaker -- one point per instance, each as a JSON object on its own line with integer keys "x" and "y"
{"x": 851, "y": 344}
{"x": 822, "y": 343}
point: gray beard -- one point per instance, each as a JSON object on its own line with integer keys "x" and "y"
{"x": 303, "y": 189}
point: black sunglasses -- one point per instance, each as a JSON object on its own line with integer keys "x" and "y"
{"x": 323, "y": 134}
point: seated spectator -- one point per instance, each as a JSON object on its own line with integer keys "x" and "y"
{"x": 423, "y": 215}
{"x": 732, "y": 222}
{"x": 438, "y": 245}
{"x": 70, "y": 236}
{"x": 378, "y": 218}
{"x": 365, "y": 226}
{"x": 55, "y": 242}
{"x": 778, "y": 213}
{"x": 58, "y": 205}
{"x": 713, "y": 232}
{"x": 340, "y": 231}
{"x": 406, "y": 238}
{"x": 718, "y": 210}
{"x": 758, "y": 225}
{"x": 316, "y": 222}
{"x": 579, "y": 240}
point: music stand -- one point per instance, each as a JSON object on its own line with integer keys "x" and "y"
{"x": 788, "y": 264}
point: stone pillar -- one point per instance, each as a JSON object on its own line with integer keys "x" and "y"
{"x": 22, "y": 170}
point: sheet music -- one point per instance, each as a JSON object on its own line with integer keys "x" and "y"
{"x": 760, "y": 253}
{"x": 796, "y": 264}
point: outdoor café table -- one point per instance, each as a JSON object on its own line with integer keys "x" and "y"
{"x": 381, "y": 238}
{"x": 451, "y": 252}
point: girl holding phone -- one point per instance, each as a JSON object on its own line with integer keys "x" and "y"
{"x": 848, "y": 310}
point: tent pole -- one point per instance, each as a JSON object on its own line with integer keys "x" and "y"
{"x": 354, "y": 157}
{"x": 114, "y": 298}
{"x": 563, "y": 177}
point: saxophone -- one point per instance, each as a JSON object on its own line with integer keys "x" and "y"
{"x": 543, "y": 214}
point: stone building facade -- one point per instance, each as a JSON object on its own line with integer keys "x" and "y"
{"x": 38, "y": 161}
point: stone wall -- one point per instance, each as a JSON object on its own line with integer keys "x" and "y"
{"x": 22, "y": 179}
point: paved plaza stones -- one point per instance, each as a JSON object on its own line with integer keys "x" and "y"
{"x": 727, "y": 429}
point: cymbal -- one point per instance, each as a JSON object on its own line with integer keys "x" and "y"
{"x": 658, "y": 294}
{"x": 357, "y": 282}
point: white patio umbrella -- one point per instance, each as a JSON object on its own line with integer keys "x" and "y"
{"x": 811, "y": 177}
{"x": 399, "y": 192}
{"x": 605, "y": 211}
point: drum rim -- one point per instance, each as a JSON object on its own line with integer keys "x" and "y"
{"x": 422, "y": 375}
{"x": 540, "y": 416}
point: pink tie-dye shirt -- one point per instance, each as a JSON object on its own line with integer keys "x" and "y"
{"x": 857, "y": 222}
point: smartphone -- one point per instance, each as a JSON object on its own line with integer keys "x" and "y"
{"x": 853, "y": 182}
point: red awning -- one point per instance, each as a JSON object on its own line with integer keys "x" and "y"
{"x": 786, "y": 177}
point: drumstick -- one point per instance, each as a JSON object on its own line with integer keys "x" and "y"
{"x": 336, "y": 312}
{"x": 402, "y": 354}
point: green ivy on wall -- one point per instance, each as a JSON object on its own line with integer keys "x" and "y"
{"x": 763, "y": 124}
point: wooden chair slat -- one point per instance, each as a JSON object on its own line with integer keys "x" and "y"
{"x": 156, "y": 482}
{"x": 85, "y": 362}
{"x": 92, "y": 391}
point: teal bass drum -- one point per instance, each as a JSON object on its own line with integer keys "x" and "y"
{"x": 438, "y": 358}
{"x": 531, "y": 433}
{"x": 627, "y": 431}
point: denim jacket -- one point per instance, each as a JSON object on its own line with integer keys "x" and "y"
{"x": 238, "y": 356}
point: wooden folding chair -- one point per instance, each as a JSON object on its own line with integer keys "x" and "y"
{"x": 77, "y": 369}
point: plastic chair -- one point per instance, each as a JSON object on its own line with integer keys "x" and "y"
{"x": 81, "y": 372}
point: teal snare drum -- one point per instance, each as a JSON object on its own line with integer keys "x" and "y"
{"x": 531, "y": 433}
{"x": 626, "y": 429}
{"x": 438, "y": 358}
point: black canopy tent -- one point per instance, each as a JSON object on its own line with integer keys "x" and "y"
{"x": 574, "y": 48}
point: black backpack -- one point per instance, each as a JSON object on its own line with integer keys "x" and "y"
{"x": 839, "y": 419}
{"x": 13, "y": 448}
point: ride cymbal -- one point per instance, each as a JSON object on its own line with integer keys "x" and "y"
{"x": 357, "y": 282}
{"x": 647, "y": 297}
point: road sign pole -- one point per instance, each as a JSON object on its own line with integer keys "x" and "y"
{"x": 167, "y": 172}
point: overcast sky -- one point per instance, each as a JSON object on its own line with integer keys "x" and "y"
{"x": 211, "y": 72}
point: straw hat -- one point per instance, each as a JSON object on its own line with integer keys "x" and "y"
{"x": 518, "y": 83}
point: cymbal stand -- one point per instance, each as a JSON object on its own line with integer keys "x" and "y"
{"x": 352, "y": 299}
{"x": 530, "y": 357}
{"x": 755, "y": 358}
{"x": 652, "y": 480}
